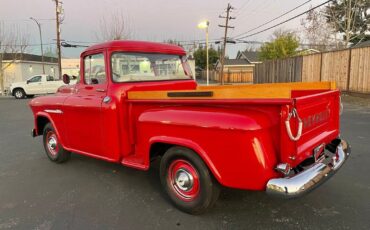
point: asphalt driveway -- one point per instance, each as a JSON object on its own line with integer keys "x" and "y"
{"x": 85, "y": 193}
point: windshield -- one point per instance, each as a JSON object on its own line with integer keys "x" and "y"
{"x": 128, "y": 67}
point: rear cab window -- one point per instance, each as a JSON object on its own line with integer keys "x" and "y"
{"x": 134, "y": 67}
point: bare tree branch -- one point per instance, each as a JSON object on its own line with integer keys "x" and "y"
{"x": 13, "y": 44}
{"x": 116, "y": 27}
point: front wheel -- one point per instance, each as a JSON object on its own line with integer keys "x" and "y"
{"x": 187, "y": 180}
{"x": 19, "y": 93}
{"x": 53, "y": 148}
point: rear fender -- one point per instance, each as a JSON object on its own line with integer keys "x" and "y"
{"x": 191, "y": 145}
{"x": 190, "y": 127}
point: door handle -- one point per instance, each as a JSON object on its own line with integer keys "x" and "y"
{"x": 100, "y": 90}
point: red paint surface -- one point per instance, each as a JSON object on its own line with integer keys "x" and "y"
{"x": 241, "y": 141}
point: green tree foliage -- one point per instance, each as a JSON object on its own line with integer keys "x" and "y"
{"x": 350, "y": 17}
{"x": 200, "y": 56}
{"x": 284, "y": 44}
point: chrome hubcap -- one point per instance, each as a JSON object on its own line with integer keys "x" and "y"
{"x": 18, "y": 94}
{"x": 184, "y": 180}
{"x": 52, "y": 143}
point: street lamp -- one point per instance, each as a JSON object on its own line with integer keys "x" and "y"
{"x": 42, "y": 50}
{"x": 205, "y": 25}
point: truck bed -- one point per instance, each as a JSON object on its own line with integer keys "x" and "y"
{"x": 314, "y": 102}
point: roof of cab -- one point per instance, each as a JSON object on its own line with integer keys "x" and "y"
{"x": 138, "y": 46}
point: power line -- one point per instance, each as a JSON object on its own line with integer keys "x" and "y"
{"x": 256, "y": 9}
{"x": 271, "y": 27}
{"x": 26, "y": 45}
{"x": 273, "y": 19}
{"x": 241, "y": 7}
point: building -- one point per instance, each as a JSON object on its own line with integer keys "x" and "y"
{"x": 234, "y": 65}
{"x": 71, "y": 66}
{"x": 252, "y": 57}
{"x": 244, "y": 61}
{"x": 238, "y": 70}
{"x": 19, "y": 67}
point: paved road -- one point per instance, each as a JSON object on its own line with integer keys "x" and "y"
{"x": 86, "y": 193}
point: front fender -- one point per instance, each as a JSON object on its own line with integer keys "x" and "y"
{"x": 51, "y": 120}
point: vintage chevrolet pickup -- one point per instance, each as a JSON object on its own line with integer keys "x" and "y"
{"x": 137, "y": 101}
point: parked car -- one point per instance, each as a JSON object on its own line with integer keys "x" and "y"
{"x": 38, "y": 84}
{"x": 137, "y": 101}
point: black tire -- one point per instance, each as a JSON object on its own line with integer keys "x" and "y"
{"x": 19, "y": 93}
{"x": 53, "y": 148}
{"x": 193, "y": 196}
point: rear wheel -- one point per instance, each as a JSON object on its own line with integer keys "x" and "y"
{"x": 53, "y": 148}
{"x": 187, "y": 180}
{"x": 19, "y": 93}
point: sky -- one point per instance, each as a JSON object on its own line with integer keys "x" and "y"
{"x": 153, "y": 20}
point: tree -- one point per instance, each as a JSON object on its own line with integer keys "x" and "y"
{"x": 116, "y": 27}
{"x": 50, "y": 52}
{"x": 13, "y": 43}
{"x": 172, "y": 41}
{"x": 200, "y": 56}
{"x": 283, "y": 44}
{"x": 351, "y": 18}
{"x": 318, "y": 33}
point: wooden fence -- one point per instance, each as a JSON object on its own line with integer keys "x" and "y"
{"x": 229, "y": 76}
{"x": 350, "y": 68}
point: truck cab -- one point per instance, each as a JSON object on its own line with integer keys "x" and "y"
{"x": 137, "y": 101}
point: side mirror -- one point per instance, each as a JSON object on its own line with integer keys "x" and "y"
{"x": 66, "y": 79}
{"x": 27, "y": 82}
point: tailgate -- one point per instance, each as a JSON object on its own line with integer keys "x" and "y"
{"x": 319, "y": 115}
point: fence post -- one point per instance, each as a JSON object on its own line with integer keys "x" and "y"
{"x": 320, "y": 67}
{"x": 228, "y": 76}
{"x": 349, "y": 69}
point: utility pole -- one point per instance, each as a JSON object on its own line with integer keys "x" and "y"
{"x": 42, "y": 49}
{"x": 223, "y": 51}
{"x": 58, "y": 10}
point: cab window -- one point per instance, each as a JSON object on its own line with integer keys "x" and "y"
{"x": 94, "y": 69}
{"x": 35, "y": 79}
{"x": 49, "y": 78}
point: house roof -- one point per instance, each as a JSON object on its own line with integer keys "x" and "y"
{"x": 28, "y": 57}
{"x": 362, "y": 44}
{"x": 251, "y": 56}
{"x": 236, "y": 62}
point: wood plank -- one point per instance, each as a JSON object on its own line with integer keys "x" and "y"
{"x": 258, "y": 91}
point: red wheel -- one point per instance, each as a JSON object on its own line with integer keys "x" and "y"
{"x": 53, "y": 148}
{"x": 184, "y": 179}
{"x": 187, "y": 180}
{"x": 52, "y": 143}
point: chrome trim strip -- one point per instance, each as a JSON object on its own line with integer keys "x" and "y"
{"x": 310, "y": 178}
{"x": 58, "y": 111}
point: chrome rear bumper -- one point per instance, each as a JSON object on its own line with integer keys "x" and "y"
{"x": 312, "y": 177}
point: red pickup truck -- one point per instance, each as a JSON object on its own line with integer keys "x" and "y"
{"x": 137, "y": 101}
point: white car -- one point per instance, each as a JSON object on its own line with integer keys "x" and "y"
{"x": 38, "y": 84}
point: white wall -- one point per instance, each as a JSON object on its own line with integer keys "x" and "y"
{"x": 21, "y": 71}
{"x": 71, "y": 66}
